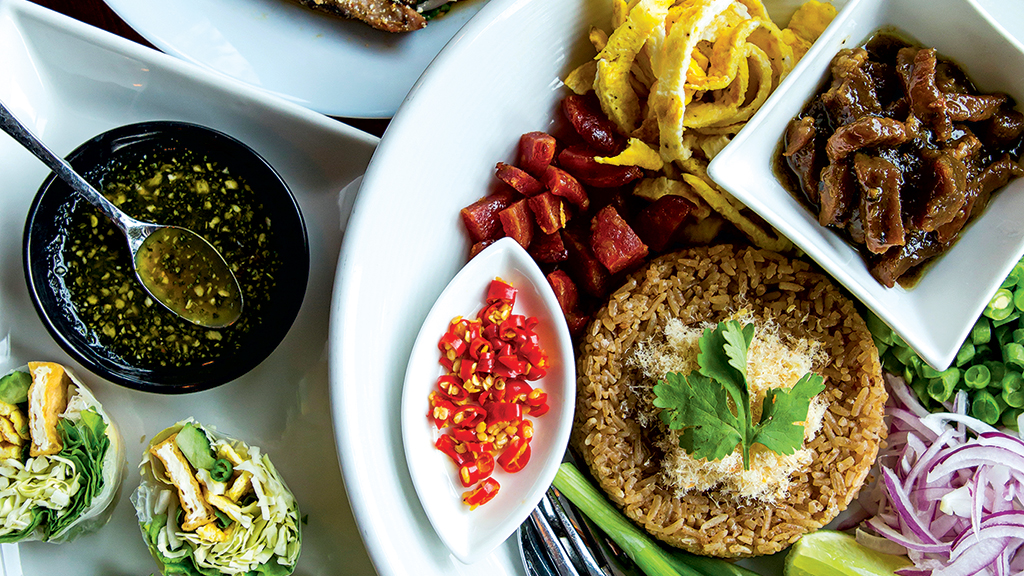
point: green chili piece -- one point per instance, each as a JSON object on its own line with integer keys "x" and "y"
{"x": 1018, "y": 299}
{"x": 977, "y": 377}
{"x": 985, "y": 408}
{"x": 221, "y": 470}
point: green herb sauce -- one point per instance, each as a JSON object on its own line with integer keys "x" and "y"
{"x": 184, "y": 189}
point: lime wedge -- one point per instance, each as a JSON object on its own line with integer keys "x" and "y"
{"x": 828, "y": 553}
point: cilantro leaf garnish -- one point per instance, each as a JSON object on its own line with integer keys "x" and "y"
{"x": 697, "y": 404}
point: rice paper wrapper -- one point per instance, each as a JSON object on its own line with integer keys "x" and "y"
{"x": 266, "y": 541}
{"x": 48, "y": 488}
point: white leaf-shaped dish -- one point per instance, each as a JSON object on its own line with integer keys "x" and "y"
{"x": 471, "y": 535}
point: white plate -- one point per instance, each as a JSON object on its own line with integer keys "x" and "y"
{"x": 472, "y": 534}
{"x": 69, "y": 82}
{"x": 405, "y": 242}
{"x": 334, "y": 66}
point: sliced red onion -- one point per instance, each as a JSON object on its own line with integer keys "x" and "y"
{"x": 950, "y": 491}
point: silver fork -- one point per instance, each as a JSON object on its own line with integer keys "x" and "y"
{"x": 557, "y": 540}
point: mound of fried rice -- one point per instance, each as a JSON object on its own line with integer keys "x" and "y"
{"x": 710, "y": 284}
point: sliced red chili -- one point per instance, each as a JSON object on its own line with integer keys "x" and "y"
{"x": 465, "y": 435}
{"x": 485, "y": 363}
{"x": 468, "y": 416}
{"x": 478, "y": 347}
{"x": 492, "y": 395}
{"x": 516, "y": 391}
{"x": 516, "y": 456}
{"x": 449, "y": 446}
{"x": 451, "y": 343}
{"x": 476, "y": 449}
{"x": 495, "y": 313}
{"x": 472, "y": 472}
{"x": 482, "y": 494}
{"x": 500, "y": 291}
{"x": 536, "y": 397}
{"x": 441, "y": 409}
{"x": 451, "y": 386}
{"x": 504, "y": 413}
{"x": 466, "y": 369}
{"x": 539, "y": 410}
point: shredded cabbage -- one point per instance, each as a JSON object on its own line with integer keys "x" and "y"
{"x": 264, "y": 536}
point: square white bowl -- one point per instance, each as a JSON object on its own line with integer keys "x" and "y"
{"x": 936, "y": 314}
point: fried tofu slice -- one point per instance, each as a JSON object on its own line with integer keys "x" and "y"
{"x": 198, "y": 511}
{"x": 13, "y": 425}
{"x": 47, "y": 400}
{"x": 239, "y": 487}
{"x": 211, "y": 533}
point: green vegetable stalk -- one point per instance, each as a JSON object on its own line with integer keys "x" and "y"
{"x": 647, "y": 554}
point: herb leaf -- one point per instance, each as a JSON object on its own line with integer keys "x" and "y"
{"x": 697, "y": 404}
{"x": 699, "y": 407}
{"x": 781, "y": 409}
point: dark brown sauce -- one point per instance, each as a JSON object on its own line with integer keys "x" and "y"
{"x": 897, "y": 179}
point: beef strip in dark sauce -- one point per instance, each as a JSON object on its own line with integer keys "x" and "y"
{"x": 900, "y": 152}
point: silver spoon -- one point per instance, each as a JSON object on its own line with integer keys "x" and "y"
{"x": 179, "y": 268}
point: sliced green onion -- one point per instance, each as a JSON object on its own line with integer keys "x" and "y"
{"x": 965, "y": 354}
{"x": 929, "y": 372}
{"x": 1013, "y": 390}
{"x": 1013, "y": 277}
{"x": 977, "y": 377}
{"x": 1018, "y": 299}
{"x": 1013, "y": 353}
{"x": 985, "y": 408}
{"x": 982, "y": 331}
{"x": 1000, "y": 305}
{"x": 902, "y": 354}
{"x": 878, "y": 328}
{"x": 1013, "y": 317}
{"x": 897, "y": 341}
{"x": 1009, "y": 418}
{"x": 942, "y": 388}
{"x": 997, "y": 370}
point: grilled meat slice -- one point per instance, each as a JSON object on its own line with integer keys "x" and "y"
{"x": 387, "y": 15}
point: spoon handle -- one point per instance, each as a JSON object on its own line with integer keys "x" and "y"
{"x": 63, "y": 170}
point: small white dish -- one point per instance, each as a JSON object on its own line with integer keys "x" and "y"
{"x": 936, "y": 315}
{"x": 472, "y": 534}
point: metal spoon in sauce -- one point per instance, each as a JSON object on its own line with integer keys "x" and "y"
{"x": 178, "y": 267}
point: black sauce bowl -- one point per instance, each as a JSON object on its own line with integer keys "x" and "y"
{"x": 46, "y": 232}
